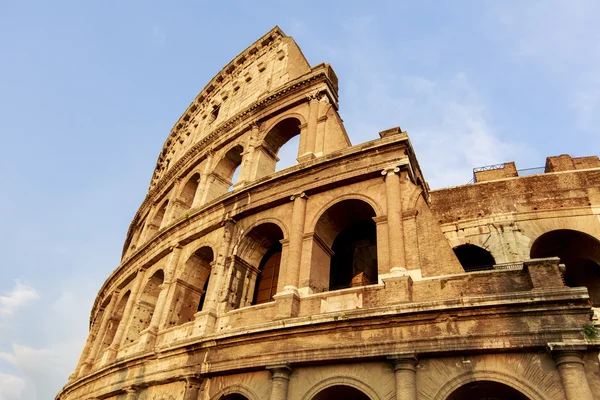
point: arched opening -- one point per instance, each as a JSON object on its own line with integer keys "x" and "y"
{"x": 474, "y": 258}
{"x": 136, "y": 237}
{"x": 344, "y": 250}
{"x": 191, "y": 287}
{"x": 233, "y": 396}
{"x": 189, "y": 191}
{"x": 157, "y": 221}
{"x": 144, "y": 308}
{"x": 486, "y": 390}
{"x": 221, "y": 180}
{"x": 579, "y": 252}
{"x": 275, "y": 147}
{"x": 113, "y": 323}
{"x": 341, "y": 392}
{"x": 257, "y": 266}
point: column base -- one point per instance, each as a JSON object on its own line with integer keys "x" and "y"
{"x": 287, "y": 304}
{"x": 204, "y": 322}
{"x": 305, "y": 157}
{"x": 147, "y": 340}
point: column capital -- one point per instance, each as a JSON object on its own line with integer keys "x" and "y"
{"x": 133, "y": 391}
{"x": 176, "y": 247}
{"x": 404, "y": 361}
{"x": 315, "y": 96}
{"x": 392, "y": 169}
{"x": 194, "y": 381}
{"x": 300, "y": 195}
{"x": 567, "y": 353}
{"x": 281, "y": 370}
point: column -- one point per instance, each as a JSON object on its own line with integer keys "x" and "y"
{"x": 406, "y": 376}
{"x": 133, "y": 392}
{"x": 150, "y": 332}
{"x": 111, "y": 352}
{"x": 308, "y": 142}
{"x": 200, "y": 197}
{"x": 394, "y": 218}
{"x": 218, "y": 292}
{"x": 572, "y": 372}
{"x": 107, "y": 316}
{"x": 248, "y": 170}
{"x": 193, "y": 384}
{"x": 295, "y": 247}
{"x": 280, "y": 380}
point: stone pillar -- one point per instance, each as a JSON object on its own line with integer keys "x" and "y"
{"x": 308, "y": 144}
{"x": 200, "y": 197}
{"x": 569, "y": 361}
{"x": 292, "y": 272}
{"x": 406, "y": 376}
{"x": 133, "y": 392}
{"x": 280, "y": 380}
{"x": 157, "y": 316}
{"x": 218, "y": 293}
{"x": 111, "y": 351}
{"x": 97, "y": 341}
{"x": 397, "y": 259}
{"x": 248, "y": 167}
{"x": 193, "y": 384}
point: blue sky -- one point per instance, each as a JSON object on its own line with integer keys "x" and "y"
{"x": 90, "y": 90}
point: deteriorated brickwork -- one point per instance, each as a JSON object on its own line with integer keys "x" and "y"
{"x": 342, "y": 276}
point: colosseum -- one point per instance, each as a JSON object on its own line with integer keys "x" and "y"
{"x": 343, "y": 276}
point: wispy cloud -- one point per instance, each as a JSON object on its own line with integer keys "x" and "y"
{"x": 16, "y": 298}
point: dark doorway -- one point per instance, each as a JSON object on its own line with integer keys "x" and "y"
{"x": 486, "y": 390}
{"x": 474, "y": 258}
{"x": 341, "y": 392}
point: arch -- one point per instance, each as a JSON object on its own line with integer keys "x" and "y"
{"x": 483, "y": 390}
{"x": 513, "y": 381}
{"x": 157, "y": 221}
{"x": 579, "y": 251}
{"x": 256, "y": 262}
{"x": 474, "y": 258}
{"x": 144, "y": 310}
{"x": 281, "y": 117}
{"x": 344, "y": 250}
{"x": 190, "y": 288}
{"x": 188, "y": 193}
{"x": 222, "y": 177}
{"x": 267, "y": 154}
{"x": 235, "y": 390}
{"x": 346, "y": 381}
{"x": 113, "y": 323}
{"x": 353, "y": 196}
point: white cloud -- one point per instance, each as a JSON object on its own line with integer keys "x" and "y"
{"x": 11, "y": 387}
{"x": 18, "y": 297}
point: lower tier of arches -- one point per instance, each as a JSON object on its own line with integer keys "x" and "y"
{"x": 563, "y": 373}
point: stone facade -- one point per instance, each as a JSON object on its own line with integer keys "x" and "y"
{"x": 343, "y": 276}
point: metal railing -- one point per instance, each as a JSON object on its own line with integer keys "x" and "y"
{"x": 520, "y": 172}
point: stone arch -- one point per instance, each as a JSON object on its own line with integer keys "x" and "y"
{"x": 299, "y": 116}
{"x": 145, "y": 305}
{"x": 114, "y": 321}
{"x": 353, "y": 196}
{"x": 266, "y": 154}
{"x": 136, "y": 237}
{"x": 512, "y": 381}
{"x": 189, "y": 191}
{"x": 474, "y": 258}
{"x": 341, "y": 381}
{"x": 344, "y": 246}
{"x": 233, "y": 390}
{"x": 221, "y": 178}
{"x": 579, "y": 251}
{"x": 191, "y": 286}
{"x": 157, "y": 221}
{"x": 254, "y": 265}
